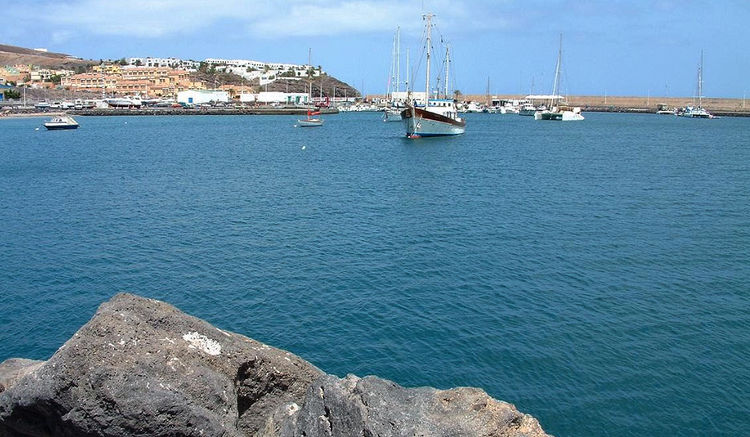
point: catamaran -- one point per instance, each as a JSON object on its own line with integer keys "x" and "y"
{"x": 558, "y": 111}
{"x": 698, "y": 111}
{"x": 438, "y": 117}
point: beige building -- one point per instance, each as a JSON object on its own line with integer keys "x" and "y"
{"x": 145, "y": 81}
{"x": 107, "y": 68}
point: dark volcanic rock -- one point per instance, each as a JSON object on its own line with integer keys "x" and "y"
{"x": 140, "y": 367}
{"x": 373, "y": 406}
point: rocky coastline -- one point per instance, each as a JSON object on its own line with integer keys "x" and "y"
{"x": 141, "y": 367}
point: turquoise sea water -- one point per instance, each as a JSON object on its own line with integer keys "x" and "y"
{"x": 595, "y": 274}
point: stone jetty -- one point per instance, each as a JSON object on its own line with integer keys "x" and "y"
{"x": 140, "y": 367}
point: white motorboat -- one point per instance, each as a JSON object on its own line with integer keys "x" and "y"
{"x": 61, "y": 122}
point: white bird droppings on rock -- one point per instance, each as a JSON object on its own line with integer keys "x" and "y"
{"x": 201, "y": 342}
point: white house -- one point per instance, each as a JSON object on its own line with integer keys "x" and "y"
{"x": 188, "y": 65}
{"x": 268, "y": 97}
{"x": 403, "y": 96}
{"x": 196, "y": 97}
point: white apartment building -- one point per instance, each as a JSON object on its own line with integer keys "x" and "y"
{"x": 182, "y": 64}
{"x": 196, "y": 97}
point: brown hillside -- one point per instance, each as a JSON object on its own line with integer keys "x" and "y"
{"x": 12, "y": 55}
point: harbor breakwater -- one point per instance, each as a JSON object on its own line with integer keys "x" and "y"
{"x": 264, "y": 110}
{"x": 142, "y": 367}
{"x": 201, "y": 111}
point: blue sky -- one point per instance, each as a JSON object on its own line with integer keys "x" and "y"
{"x": 617, "y": 47}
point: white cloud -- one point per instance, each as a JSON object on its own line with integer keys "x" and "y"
{"x": 260, "y": 18}
{"x": 143, "y": 18}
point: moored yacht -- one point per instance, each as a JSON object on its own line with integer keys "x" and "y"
{"x": 697, "y": 111}
{"x": 558, "y": 111}
{"x": 438, "y": 117}
{"x": 527, "y": 109}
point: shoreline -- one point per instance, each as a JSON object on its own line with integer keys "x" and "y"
{"x": 22, "y": 113}
{"x": 586, "y": 106}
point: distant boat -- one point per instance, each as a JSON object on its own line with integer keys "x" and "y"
{"x": 392, "y": 114}
{"x": 697, "y": 111}
{"x": 124, "y": 102}
{"x": 61, "y": 122}
{"x": 438, "y": 117}
{"x": 558, "y": 111}
{"x": 527, "y": 109}
{"x": 311, "y": 121}
{"x": 663, "y": 109}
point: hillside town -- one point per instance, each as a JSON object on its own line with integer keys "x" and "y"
{"x": 137, "y": 81}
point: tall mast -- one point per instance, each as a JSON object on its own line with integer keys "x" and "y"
{"x": 700, "y": 83}
{"x": 398, "y": 59}
{"x": 556, "y": 86}
{"x": 447, "y": 68}
{"x": 489, "y": 100}
{"x": 408, "y": 73}
{"x": 428, "y": 17}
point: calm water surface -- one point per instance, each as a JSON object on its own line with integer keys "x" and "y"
{"x": 595, "y": 274}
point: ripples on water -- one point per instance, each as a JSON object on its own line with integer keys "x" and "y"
{"x": 595, "y": 274}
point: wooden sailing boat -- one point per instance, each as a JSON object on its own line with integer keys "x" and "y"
{"x": 438, "y": 117}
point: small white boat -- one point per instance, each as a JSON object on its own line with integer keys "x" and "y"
{"x": 392, "y": 114}
{"x": 61, "y": 122}
{"x": 310, "y": 121}
{"x": 527, "y": 109}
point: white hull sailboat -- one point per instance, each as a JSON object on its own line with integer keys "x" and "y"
{"x": 311, "y": 120}
{"x": 698, "y": 111}
{"x": 392, "y": 112}
{"x": 438, "y": 117}
{"x": 557, "y": 110}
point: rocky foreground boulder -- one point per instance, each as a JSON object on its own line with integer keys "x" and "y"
{"x": 141, "y": 367}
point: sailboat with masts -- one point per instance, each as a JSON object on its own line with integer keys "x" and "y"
{"x": 558, "y": 111}
{"x": 698, "y": 111}
{"x": 392, "y": 112}
{"x": 438, "y": 117}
